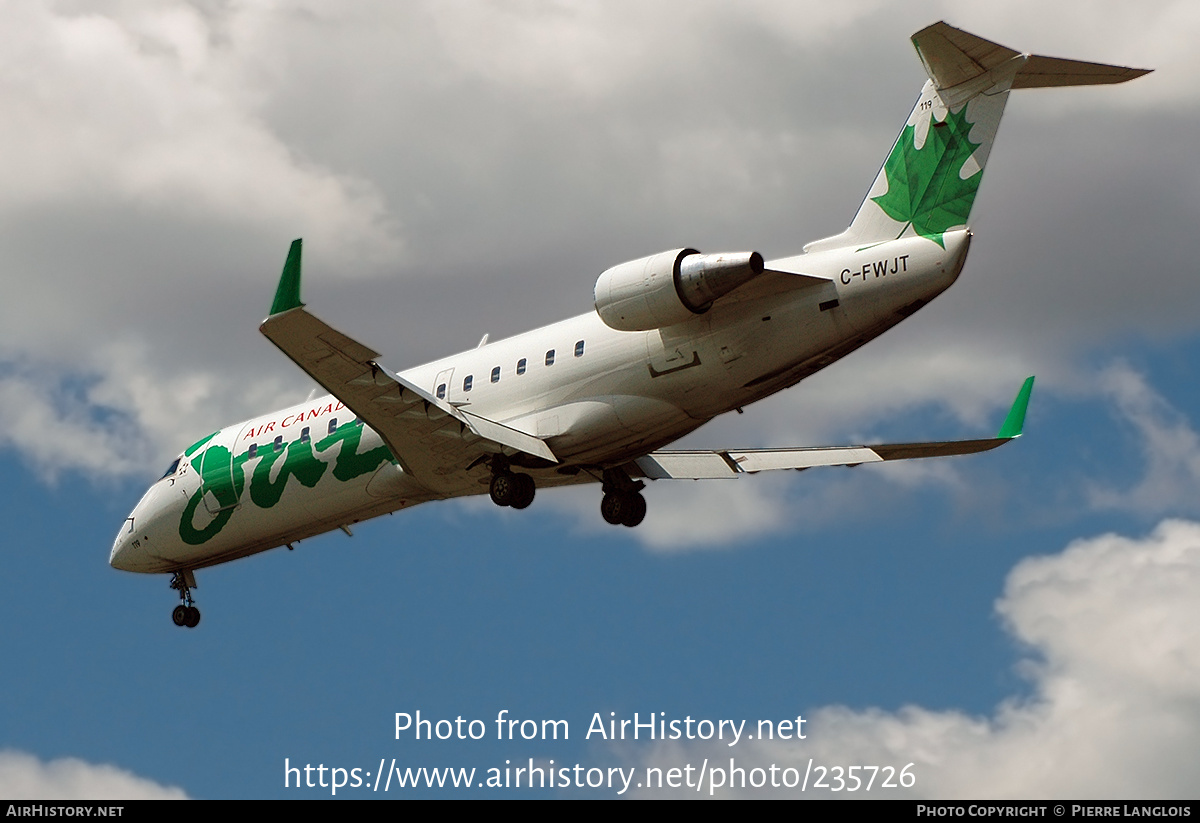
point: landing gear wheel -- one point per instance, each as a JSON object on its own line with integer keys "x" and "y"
{"x": 635, "y": 510}
{"x": 612, "y": 508}
{"x": 504, "y": 489}
{"x": 623, "y": 508}
{"x": 623, "y": 504}
{"x": 185, "y": 614}
{"x": 525, "y": 490}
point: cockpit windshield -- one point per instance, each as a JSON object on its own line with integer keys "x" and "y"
{"x": 170, "y": 471}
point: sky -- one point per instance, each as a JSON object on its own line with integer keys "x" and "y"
{"x": 1015, "y": 624}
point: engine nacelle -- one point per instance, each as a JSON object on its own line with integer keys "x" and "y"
{"x": 670, "y": 287}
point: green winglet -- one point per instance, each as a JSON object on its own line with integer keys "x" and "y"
{"x": 1016, "y": 415}
{"x": 287, "y": 296}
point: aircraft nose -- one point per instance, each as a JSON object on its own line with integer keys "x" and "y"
{"x": 126, "y": 552}
{"x": 144, "y": 536}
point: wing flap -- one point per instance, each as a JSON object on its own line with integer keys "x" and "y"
{"x": 500, "y": 433}
{"x": 692, "y": 465}
{"x": 696, "y": 465}
{"x": 760, "y": 460}
{"x": 712, "y": 465}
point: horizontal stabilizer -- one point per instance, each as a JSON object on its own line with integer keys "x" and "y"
{"x": 1046, "y": 72}
{"x": 962, "y": 64}
{"x": 952, "y": 56}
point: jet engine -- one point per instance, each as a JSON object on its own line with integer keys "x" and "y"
{"x": 670, "y": 287}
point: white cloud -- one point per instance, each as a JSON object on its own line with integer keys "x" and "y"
{"x": 1112, "y": 629}
{"x": 135, "y": 105}
{"x": 26, "y": 777}
{"x": 715, "y": 513}
{"x": 115, "y": 414}
{"x": 685, "y": 515}
{"x": 56, "y": 429}
{"x": 1169, "y": 445}
{"x": 1155, "y": 36}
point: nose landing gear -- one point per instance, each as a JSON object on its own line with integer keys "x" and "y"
{"x": 186, "y": 614}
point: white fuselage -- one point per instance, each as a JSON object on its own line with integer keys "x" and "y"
{"x": 603, "y": 398}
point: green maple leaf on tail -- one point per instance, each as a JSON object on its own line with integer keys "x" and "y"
{"x": 924, "y": 187}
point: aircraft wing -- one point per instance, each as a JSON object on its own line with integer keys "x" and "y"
{"x": 430, "y": 438}
{"x": 707, "y": 465}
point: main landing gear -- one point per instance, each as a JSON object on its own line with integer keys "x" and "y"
{"x": 186, "y": 614}
{"x": 622, "y": 504}
{"x": 509, "y": 489}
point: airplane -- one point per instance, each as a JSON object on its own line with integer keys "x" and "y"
{"x": 676, "y": 339}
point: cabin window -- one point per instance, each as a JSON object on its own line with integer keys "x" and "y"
{"x": 173, "y": 467}
{"x": 441, "y": 392}
{"x": 550, "y": 358}
{"x": 252, "y": 451}
{"x": 279, "y": 443}
{"x": 579, "y": 349}
{"x": 496, "y": 375}
{"x": 467, "y": 381}
{"x": 521, "y": 366}
{"x": 333, "y": 425}
{"x": 304, "y": 435}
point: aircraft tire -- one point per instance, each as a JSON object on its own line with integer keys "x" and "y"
{"x": 634, "y": 511}
{"x": 612, "y": 508}
{"x": 180, "y": 615}
{"x": 193, "y": 617}
{"x": 526, "y": 489}
{"x": 503, "y": 489}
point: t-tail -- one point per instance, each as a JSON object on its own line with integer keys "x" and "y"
{"x": 928, "y": 182}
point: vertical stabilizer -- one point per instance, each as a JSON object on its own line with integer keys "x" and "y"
{"x": 928, "y": 182}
